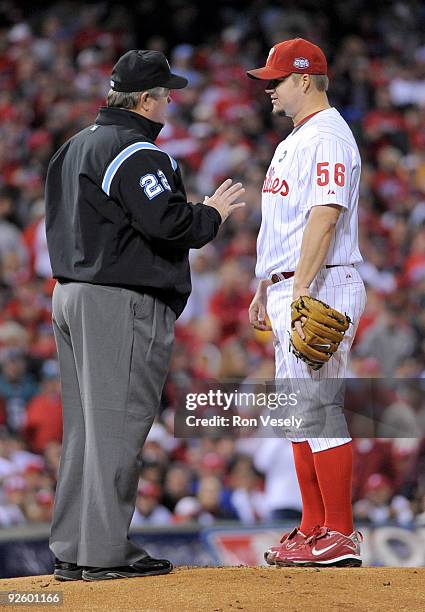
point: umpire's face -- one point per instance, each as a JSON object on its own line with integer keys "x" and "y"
{"x": 155, "y": 105}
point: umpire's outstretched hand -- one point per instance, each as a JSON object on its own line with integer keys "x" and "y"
{"x": 223, "y": 198}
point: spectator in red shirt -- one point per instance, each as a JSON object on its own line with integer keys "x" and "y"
{"x": 232, "y": 298}
{"x": 384, "y": 124}
{"x": 43, "y": 419}
{"x": 371, "y": 456}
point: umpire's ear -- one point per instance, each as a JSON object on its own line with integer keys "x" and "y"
{"x": 145, "y": 102}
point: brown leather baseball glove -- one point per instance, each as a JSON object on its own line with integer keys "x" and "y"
{"x": 323, "y": 327}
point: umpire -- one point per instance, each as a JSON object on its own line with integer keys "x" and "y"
{"x": 119, "y": 230}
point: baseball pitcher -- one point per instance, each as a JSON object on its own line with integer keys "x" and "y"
{"x": 309, "y": 287}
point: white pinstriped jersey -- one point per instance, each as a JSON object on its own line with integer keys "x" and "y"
{"x": 318, "y": 163}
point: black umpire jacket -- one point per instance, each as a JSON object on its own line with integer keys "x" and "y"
{"x": 117, "y": 214}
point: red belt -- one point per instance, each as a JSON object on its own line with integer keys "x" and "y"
{"x": 280, "y": 276}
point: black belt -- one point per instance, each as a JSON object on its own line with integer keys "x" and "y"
{"x": 280, "y": 276}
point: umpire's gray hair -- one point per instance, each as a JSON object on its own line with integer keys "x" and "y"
{"x": 129, "y": 100}
{"x": 320, "y": 81}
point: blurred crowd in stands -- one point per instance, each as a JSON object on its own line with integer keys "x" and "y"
{"x": 54, "y": 68}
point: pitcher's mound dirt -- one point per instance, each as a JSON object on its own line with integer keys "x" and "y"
{"x": 239, "y": 588}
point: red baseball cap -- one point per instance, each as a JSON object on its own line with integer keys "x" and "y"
{"x": 148, "y": 489}
{"x": 295, "y": 55}
{"x": 376, "y": 482}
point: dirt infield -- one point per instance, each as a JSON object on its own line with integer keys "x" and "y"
{"x": 239, "y": 588}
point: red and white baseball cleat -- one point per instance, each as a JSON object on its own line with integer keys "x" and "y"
{"x": 325, "y": 548}
{"x": 289, "y": 541}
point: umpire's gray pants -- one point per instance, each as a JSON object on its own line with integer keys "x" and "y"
{"x": 114, "y": 349}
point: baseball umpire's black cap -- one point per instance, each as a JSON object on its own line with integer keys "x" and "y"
{"x": 138, "y": 70}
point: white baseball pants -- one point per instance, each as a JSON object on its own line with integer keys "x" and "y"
{"x": 342, "y": 288}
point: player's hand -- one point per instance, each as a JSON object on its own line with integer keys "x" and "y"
{"x": 257, "y": 313}
{"x": 298, "y": 292}
{"x": 224, "y": 197}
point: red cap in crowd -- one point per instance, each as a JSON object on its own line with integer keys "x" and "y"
{"x": 45, "y": 497}
{"x": 34, "y": 468}
{"x": 149, "y": 489}
{"x": 376, "y": 482}
{"x": 213, "y": 461}
{"x": 295, "y": 55}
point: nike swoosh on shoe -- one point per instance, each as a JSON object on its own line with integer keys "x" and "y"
{"x": 316, "y": 552}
